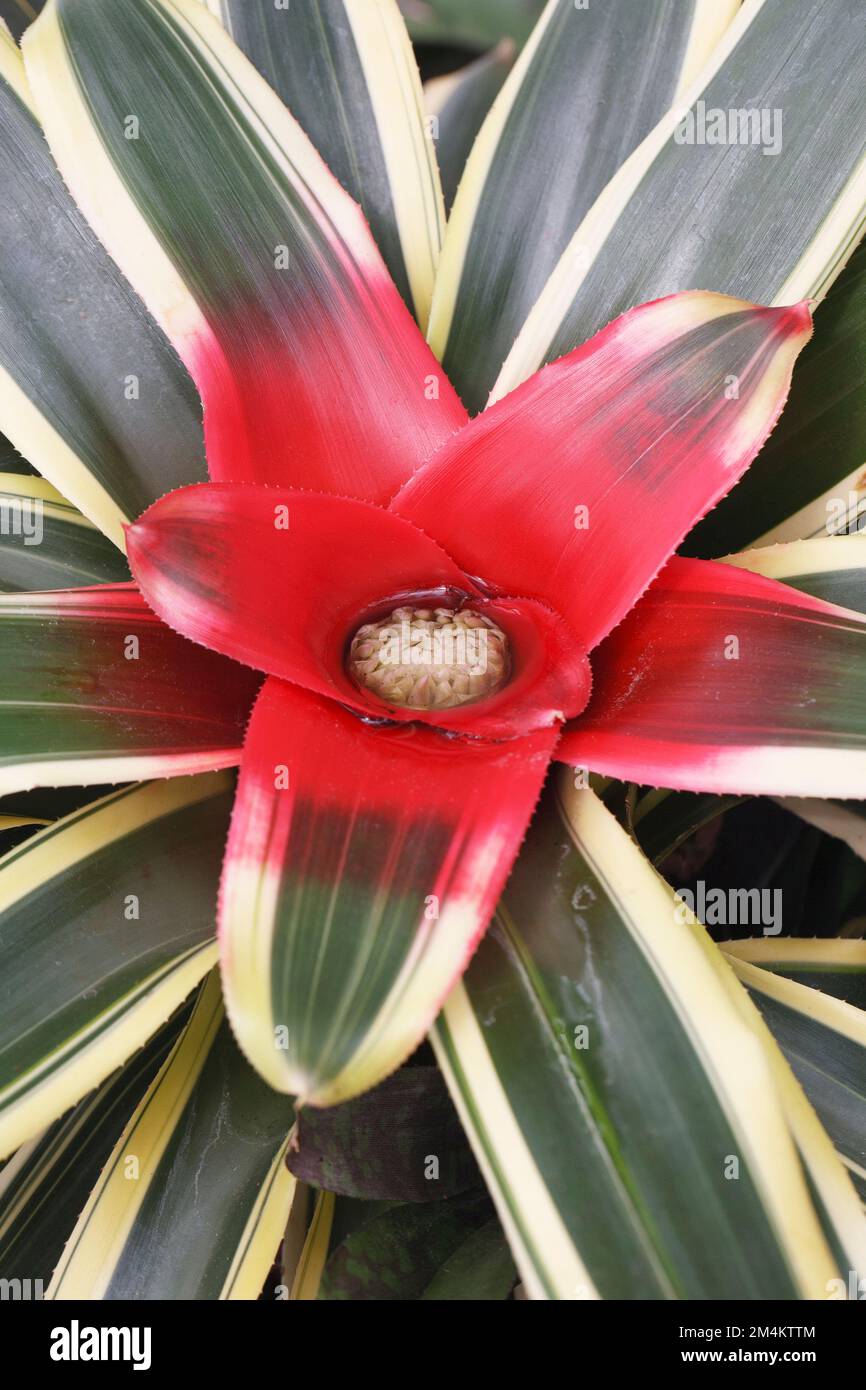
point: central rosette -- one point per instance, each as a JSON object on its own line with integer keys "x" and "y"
{"x": 430, "y": 658}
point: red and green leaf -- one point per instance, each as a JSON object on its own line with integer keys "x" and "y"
{"x": 258, "y": 265}
{"x": 363, "y": 864}
{"x": 724, "y": 681}
{"x": 96, "y": 689}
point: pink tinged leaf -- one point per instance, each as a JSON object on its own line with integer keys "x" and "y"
{"x": 363, "y": 865}
{"x": 723, "y": 681}
{"x": 577, "y": 487}
{"x": 281, "y": 580}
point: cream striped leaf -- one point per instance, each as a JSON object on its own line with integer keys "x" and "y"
{"x": 588, "y": 87}
{"x": 46, "y": 1182}
{"x": 46, "y": 543}
{"x": 833, "y": 965}
{"x": 824, "y": 1040}
{"x": 194, "y": 1199}
{"x": 600, "y": 1032}
{"x": 832, "y": 568}
{"x": 346, "y": 71}
{"x": 782, "y": 180}
{"x": 259, "y": 266}
{"x": 90, "y": 391}
{"x": 84, "y": 988}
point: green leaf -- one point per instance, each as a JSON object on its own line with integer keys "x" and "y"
{"x": 91, "y": 393}
{"x": 401, "y": 1142}
{"x": 397, "y": 1253}
{"x": 808, "y": 480}
{"x": 47, "y": 1181}
{"x": 481, "y": 1270}
{"x": 664, "y": 820}
{"x": 194, "y": 1199}
{"x": 346, "y": 71}
{"x": 824, "y": 1039}
{"x": 832, "y": 965}
{"x": 832, "y": 567}
{"x": 84, "y": 986}
{"x": 458, "y": 104}
{"x": 477, "y": 25}
{"x": 564, "y": 108}
{"x": 599, "y": 1032}
{"x": 46, "y": 543}
{"x": 17, "y": 14}
{"x": 772, "y": 221}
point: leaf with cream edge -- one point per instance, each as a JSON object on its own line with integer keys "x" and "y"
{"x": 832, "y": 568}
{"x": 723, "y": 681}
{"x": 599, "y": 1030}
{"x": 204, "y": 1217}
{"x": 510, "y": 221}
{"x": 347, "y": 73}
{"x": 833, "y": 965}
{"x": 640, "y": 417}
{"x": 824, "y": 1040}
{"x": 17, "y": 14}
{"x": 47, "y": 1181}
{"x": 83, "y": 991}
{"x": 90, "y": 391}
{"x": 771, "y": 229}
{"x": 242, "y": 244}
{"x": 457, "y": 104}
{"x": 363, "y": 864}
{"x": 96, "y": 689}
{"x": 46, "y": 543}
{"x": 809, "y": 479}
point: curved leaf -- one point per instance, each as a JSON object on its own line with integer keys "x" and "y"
{"x": 138, "y": 872}
{"x": 724, "y": 681}
{"x": 782, "y": 200}
{"x": 90, "y": 391}
{"x": 363, "y": 863}
{"x": 193, "y": 1201}
{"x": 243, "y": 245}
{"x": 599, "y": 1032}
{"x": 45, "y": 543}
{"x": 588, "y": 87}
{"x": 46, "y": 1183}
{"x": 832, "y": 965}
{"x": 346, "y": 71}
{"x": 96, "y": 689}
{"x": 824, "y": 1040}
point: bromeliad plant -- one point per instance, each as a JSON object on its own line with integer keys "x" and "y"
{"x": 394, "y": 617}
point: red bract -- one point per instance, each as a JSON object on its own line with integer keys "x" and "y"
{"x": 549, "y": 515}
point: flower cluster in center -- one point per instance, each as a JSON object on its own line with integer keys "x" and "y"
{"x": 430, "y": 658}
